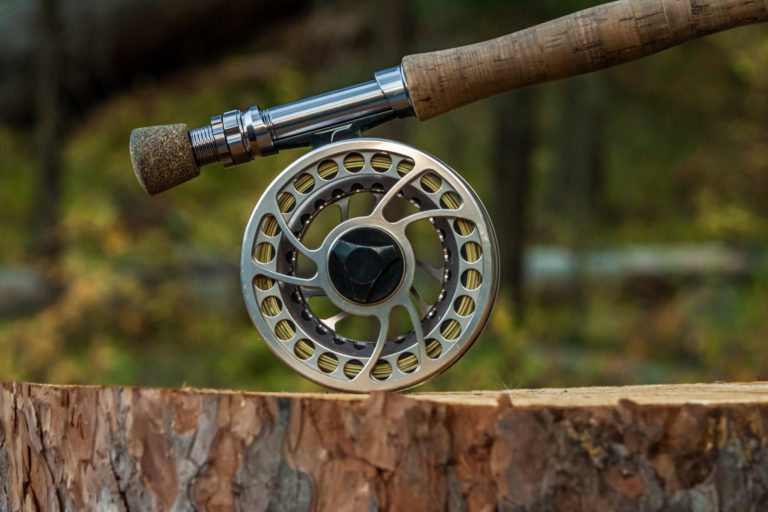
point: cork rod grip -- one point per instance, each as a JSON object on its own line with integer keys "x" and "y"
{"x": 588, "y": 40}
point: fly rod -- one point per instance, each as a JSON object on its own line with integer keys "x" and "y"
{"x": 366, "y": 266}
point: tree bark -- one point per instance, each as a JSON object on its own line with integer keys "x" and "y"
{"x": 46, "y": 237}
{"x": 675, "y": 447}
{"x": 578, "y": 170}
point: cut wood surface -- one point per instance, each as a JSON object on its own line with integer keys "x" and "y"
{"x": 667, "y": 447}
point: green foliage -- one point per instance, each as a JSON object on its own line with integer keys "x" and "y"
{"x": 684, "y": 154}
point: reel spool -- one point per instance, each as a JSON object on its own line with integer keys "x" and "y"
{"x": 369, "y": 265}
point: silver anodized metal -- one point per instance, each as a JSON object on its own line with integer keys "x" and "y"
{"x": 292, "y": 291}
{"x": 220, "y": 140}
{"x": 240, "y": 136}
{"x": 257, "y": 133}
{"x": 318, "y": 112}
{"x": 237, "y": 145}
{"x": 392, "y": 83}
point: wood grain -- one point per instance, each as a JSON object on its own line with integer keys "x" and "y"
{"x": 684, "y": 447}
{"x": 585, "y": 41}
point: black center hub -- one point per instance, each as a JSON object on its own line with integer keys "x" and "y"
{"x": 366, "y": 265}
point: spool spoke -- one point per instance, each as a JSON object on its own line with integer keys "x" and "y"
{"x": 331, "y": 321}
{"x": 288, "y": 234}
{"x": 311, "y": 292}
{"x": 417, "y": 329}
{"x": 344, "y": 208}
{"x": 378, "y": 211}
{"x": 380, "y": 342}
{"x": 429, "y": 214}
{"x": 434, "y": 272}
{"x": 254, "y": 269}
{"x": 423, "y": 307}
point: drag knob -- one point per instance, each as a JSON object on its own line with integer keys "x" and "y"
{"x": 366, "y": 265}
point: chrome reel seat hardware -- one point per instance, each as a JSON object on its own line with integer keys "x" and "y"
{"x": 369, "y": 265}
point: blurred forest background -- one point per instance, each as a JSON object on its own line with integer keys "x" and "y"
{"x": 631, "y": 204}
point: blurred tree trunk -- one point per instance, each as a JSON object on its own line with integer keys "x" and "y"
{"x": 393, "y": 23}
{"x": 515, "y": 128}
{"x": 578, "y": 170}
{"x": 45, "y": 213}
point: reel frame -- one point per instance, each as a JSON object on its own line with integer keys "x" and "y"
{"x": 276, "y": 297}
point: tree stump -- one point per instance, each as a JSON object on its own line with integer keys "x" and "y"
{"x": 671, "y": 447}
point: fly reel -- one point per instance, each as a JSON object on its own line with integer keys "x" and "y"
{"x": 369, "y": 265}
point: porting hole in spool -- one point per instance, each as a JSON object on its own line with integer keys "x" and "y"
{"x": 464, "y": 305}
{"x": 430, "y": 255}
{"x": 352, "y": 368}
{"x": 382, "y": 370}
{"x": 399, "y": 208}
{"x": 407, "y": 362}
{"x": 360, "y": 328}
{"x": 286, "y": 202}
{"x": 471, "y": 279}
{"x": 304, "y": 349}
{"x": 304, "y": 183}
{"x": 327, "y": 169}
{"x": 450, "y": 200}
{"x": 327, "y": 362}
{"x": 263, "y": 282}
{"x": 319, "y": 226}
{"x": 431, "y": 182}
{"x": 450, "y": 329}
{"x": 264, "y": 252}
{"x": 434, "y": 348}
{"x": 304, "y": 267}
{"x": 271, "y": 306}
{"x": 471, "y": 252}
{"x": 361, "y": 203}
{"x": 322, "y": 307}
{"x": 463, "y": 227}
{"x": 381, "y": 162}
{"x": 269, "y": 225}
{"x": 285, "y": 329}
{"x": 399, "y": 323}
{"x": 404, "y": 166}
{"x": 354, "y": 162}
